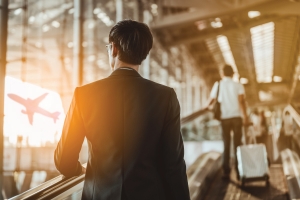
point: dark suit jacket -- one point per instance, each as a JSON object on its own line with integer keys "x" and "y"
{"x": 132, "y": 126}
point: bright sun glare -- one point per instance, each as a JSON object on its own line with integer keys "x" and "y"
{"x": 34, "y": 113}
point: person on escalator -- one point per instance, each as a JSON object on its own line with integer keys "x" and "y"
{"x": 288, "y": 130}
{"x": 260, "y": 127}
{"x": 231, "y": 96}
{"x": 264, "y": 129}
{"x": 132, "y": 126}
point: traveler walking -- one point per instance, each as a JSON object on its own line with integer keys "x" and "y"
{"x": 288, "y": 129}
{"x": 231, "y": 96}
{"x": 260, "y": 126}
{"x": 262, "y": 137}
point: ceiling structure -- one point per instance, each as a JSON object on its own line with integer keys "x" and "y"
{"x": 260, "y": 38}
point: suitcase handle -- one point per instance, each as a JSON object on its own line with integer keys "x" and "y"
{"x": 252, "y": 137}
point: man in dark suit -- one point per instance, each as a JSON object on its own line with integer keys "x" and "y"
{"x": 132, "y": 126}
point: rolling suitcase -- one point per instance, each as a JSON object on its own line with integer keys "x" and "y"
{"x": 252, "y": 161}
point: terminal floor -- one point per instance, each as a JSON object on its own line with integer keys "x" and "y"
{"x": 232, "y": 189}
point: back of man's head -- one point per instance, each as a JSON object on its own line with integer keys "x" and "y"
{"x": 133, "y": 40}
{"x": 227, "y": 70}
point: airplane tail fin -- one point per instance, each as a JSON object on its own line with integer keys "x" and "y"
{"x": 55, "y": 116}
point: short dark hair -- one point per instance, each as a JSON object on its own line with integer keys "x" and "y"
{"x": 133, "y": 40}
{"x": 228, "y": 71}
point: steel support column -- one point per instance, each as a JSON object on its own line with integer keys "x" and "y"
{"x": 77, "y": 43}
{"x": 146, "y": 63}
{"x": 136, "y": 11}
{"x": 160, "y": 9}
{"x": 119, "y": 10}
{"x": 3, "y": 48}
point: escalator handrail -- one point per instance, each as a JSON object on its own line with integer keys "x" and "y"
{"x": 294, "y": 113}
{"x": 60, "y": 183}
{"x": 60, "y": 188}
{"x": 290, "y": 157}
{"x": 39, "y": 188}
{"x": 193, "y": 116}
{"x": 296, "y": 117}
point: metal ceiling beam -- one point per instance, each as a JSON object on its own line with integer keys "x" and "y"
{"x": 282, "y": 7}
{"x": 202, "y": 3}
{"x": 222, "y": 31}
{"x": 55, "y": 33}
{"x": 208, "y": 10}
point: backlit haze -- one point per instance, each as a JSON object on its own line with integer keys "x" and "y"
{"x": 43, "y": 131}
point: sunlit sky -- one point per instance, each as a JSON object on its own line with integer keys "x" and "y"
{"x": 43, "y": 129}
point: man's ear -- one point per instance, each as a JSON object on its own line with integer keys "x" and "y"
{"x": 114, "y": 50}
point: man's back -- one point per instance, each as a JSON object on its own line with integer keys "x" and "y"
{"x": 133, "y": 130}
{"x": 229, "y": 92}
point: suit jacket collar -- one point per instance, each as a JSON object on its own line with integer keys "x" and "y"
{"x": 125, "y": 71}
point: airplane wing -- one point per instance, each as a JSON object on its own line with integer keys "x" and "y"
{"x": 46, "y": 113}
{"x": 39, "y": 99}
{"x": 17, "y": 98}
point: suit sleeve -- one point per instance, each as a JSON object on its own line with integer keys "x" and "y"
{"x": 174, "y": 172}
{"x": 67, "y": 151}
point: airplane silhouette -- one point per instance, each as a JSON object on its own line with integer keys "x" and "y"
{"x": 32, "y": 106}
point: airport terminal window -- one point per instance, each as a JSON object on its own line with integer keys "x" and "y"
{"x": 40, "y": 60}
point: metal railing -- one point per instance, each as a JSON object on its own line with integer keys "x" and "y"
{"x": 290, "y": 157}
{"x": 294, "y": 112}
{"x": 51, "y": 188}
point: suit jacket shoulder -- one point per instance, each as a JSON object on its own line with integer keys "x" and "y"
{"x": 96, "y": 85}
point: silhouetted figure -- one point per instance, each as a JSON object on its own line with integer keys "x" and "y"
{"x": 233, "y": 106}
{"x": 287, "y": 131}
{"x": 254, "y": 130}
{"x": 260, "y": 126}
{"x": 132, "y": 126}
{"x": 263, "y": 136}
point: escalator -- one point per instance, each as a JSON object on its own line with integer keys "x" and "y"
{"x": 204, "y": 175}
{"x": 284, "y": 180}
